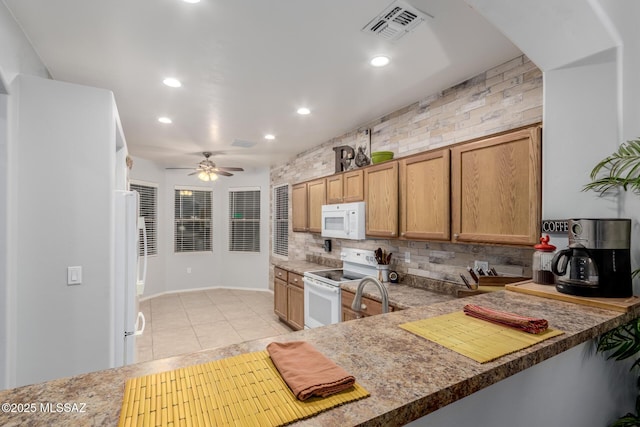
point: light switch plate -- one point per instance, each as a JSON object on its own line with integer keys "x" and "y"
{"x": 74, "y": 275}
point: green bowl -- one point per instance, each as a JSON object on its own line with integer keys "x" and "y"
{"x": 381, "y": 156}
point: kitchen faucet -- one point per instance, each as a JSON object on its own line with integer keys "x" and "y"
{"x": 357, "y": 301}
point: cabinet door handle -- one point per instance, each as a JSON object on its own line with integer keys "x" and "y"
{"x": 363, "y": 307}
{"x": 456, "y": 235}
{"x": 295, "y": 280}
{"x": 402, "y": 234}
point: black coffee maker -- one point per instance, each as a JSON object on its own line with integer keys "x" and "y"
{"x": 597, "y": 262}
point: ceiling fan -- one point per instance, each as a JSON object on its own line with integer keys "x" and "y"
{"x": 208, "y": 171}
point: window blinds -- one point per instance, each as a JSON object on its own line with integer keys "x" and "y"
{"x": 281, "y": 220}
{"x": 148, "y": 209}
{"x": 244, "y": 220}
{"x": 192, "y": 220}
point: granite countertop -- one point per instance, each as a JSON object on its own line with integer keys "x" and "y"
{"x": 300, "y": 267}
{"x": 401, "y": 296}
{"x": 408, "y": 377}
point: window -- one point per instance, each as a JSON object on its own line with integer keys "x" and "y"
{"x": 192, "y": 220}
{"x": 244, "y": 220}
{"x": 149, "y": 211}
{"x": 281, "y": 220}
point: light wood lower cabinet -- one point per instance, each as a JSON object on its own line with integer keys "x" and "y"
{"x": 288, "y": 297}
{"x": 496, "y": 189}
{"x": 370, "y": 307}
{"x": 295, "y": 306}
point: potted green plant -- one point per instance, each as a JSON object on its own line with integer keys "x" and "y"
{"x": 621, "y": 171}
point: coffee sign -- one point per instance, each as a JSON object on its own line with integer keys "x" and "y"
{"x": 555, "y": 226}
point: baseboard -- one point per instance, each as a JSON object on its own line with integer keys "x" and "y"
{"x": 203, "y": 289}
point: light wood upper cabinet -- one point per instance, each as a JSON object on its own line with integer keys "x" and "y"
{"x": 334, "y": 189}
{"x": 345, "y": 187}
{"x": 381, "y": 197}
{"x": 496, "y": 189}
{"x": 299, "y": 209}
{"x": 425, "y": 196}
{"x": 317, "y": 196}
{"x": 353, "y": 186}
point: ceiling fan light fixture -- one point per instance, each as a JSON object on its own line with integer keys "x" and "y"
{"x": 270, "y": 137}
{"x": 207, "y": 176}
{"x": 303, "y": 111}
{"x": 165, "y": 120}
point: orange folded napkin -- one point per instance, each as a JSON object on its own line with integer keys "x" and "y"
{"x": 308, "y": 372}
{"x": 531, "y": 325}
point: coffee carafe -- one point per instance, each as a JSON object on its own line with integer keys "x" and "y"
{"x": 597, "y": 262}
{"x": 574, "y": 266}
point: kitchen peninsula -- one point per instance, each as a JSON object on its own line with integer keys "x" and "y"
{"x": 408, "y": 377}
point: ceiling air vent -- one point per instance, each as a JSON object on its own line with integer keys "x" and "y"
{"x": 395, "y": 21}
{"x": 243, "y": 144}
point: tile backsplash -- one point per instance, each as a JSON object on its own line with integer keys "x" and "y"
{"x": 505, "y": 97}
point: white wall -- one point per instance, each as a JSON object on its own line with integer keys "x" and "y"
{"x": 557, "y": 392}
{"x": 147, "y": 171}
{"x": 16, "y": 56}
{"x": 624, "y": 19}
{"x": 580, "y": 129}
{"x": 16, "y": 53}
{"x": 219, "y": 268}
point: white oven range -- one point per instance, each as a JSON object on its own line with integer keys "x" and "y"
{"x": 322, "y": 287}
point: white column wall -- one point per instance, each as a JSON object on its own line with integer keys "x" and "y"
{"x": 62, "y": 217}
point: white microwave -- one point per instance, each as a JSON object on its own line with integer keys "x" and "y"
{"x": 344, "y": 221}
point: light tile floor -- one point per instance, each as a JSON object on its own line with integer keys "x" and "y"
{"x": 191, "y": 321}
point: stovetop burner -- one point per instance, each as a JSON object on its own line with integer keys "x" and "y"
{"x": 334, "y": 275}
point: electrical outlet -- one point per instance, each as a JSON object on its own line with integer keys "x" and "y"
{"x": 188, "y": 270}
{"x": 484, "y": 265}
{"x": 407, "y": 257}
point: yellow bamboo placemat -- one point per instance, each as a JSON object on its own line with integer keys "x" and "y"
{"x": 477, "y": 339}
{"x": 244, "y": 390}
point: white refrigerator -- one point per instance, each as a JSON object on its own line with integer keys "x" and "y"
{"x": 130, "y": 275}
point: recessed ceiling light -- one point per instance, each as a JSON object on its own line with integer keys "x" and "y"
{"x": 303, "y": 111}
{"x": 270, "y": 137}
{"x": 379, "y": 61}
{"x": 191, "y": 1}
{"x": 171, "y": 82}
{"x": 165, "y": 120}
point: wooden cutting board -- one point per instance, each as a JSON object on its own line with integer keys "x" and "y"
{"x": 549, "y": 291}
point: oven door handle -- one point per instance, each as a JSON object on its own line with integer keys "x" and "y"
{"x": 315, "y": 283}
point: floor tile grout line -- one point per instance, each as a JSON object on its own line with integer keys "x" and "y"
{"x": 252, "y": 302}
